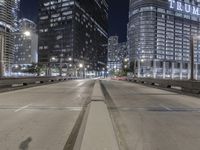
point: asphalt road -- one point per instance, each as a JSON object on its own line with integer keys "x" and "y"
{"x": 146, "y": 118}
{"x": 41, "y": 118}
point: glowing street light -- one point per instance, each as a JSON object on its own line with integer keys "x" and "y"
{"x": 53, "y": 58}
{"x": 70, "y": 59}
{"x": 126, "y": 59}
{"x": 27, "y": 33}
{"x": 81, "y": 65}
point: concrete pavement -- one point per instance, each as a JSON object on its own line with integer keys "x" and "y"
{"x": 144, "y": 118}
{"x": 99, "y": 133}
{"x": 41, "y": 118}
{"x": 152, "y": 119}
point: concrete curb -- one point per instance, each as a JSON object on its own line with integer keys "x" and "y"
{"x": 98, "y": 132}
{"x": 97, "y": 94}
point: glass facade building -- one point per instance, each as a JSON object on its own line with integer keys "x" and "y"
{"x": 75, "y": 29}
{"x": 159, "y": 34}
{"x": 16, "y": 13}
{"x": 6, "y": 35}
{"x": 117, "y": 53}
{"x": 26, "y": 43}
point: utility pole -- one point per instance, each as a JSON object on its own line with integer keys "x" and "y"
{"x": 2, "y": 56}
{"x": 192, "y": 57}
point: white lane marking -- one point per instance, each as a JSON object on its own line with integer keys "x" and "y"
{"x": 167, "y": 108}
{"x": 67, "y": 108}
{"x": 21, "y": 108}
{"x": 79, "y": 84}
{"x": 74, "y": 108}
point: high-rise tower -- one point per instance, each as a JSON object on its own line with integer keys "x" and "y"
{"x": 6, "y": 36}
{"x": 159, "y": 35}
{"x": 26, "y": 43}
{"x": 16, "y": 12}
{"x": 73, "y": 30}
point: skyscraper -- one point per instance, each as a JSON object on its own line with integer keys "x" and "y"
{"x": 16, "y": 11}
{"x": 6, "y": 36}
{"x": 73, "y": 30}
{"x": 117, "y": 53}
{"x": 26, "y": 43}
{"x": 159, "y": 35}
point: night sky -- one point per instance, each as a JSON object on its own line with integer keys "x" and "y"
{"x": 118, "y": 15}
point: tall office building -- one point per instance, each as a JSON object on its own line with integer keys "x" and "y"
{"x": 26, "y": 43}
{"x": 74, "y": 30}
{"x": 112, "y": 50}
{"x": 16, "y": 12}
{"x": 117, "y": 53}
{"x": 6, "y": 35}
{"x": 159, "y": 34}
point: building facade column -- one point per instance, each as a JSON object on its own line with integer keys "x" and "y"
{"x": 2, "y": 67}
{"x": 189, "y": 70}
{"x": 172, "y": 70}
{"x": 196, "y": 71}
{"x": 181, "y": 70}
{"x": 164, "y": 69}
{"x": 139, "y": 68}
{"x": 154, "y": 69}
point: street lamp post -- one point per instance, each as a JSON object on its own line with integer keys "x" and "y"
{"x": 81, "y": 67}
{"x": 69, "y": 65}
{"x": 2, "y": 56}
{"x": 60, "y": 66}
{"x": 134, "y": 67}
{"x": 192, "y": 57}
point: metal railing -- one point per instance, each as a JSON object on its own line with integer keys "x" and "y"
{"x": 9, "y": 82}
{"x": 191, "y": 86}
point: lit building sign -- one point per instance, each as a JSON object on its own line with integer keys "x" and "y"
{"x": 184, "y": 7}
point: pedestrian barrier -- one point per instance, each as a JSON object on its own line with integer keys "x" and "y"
{"x": 191, "y": 86}
{"x": 9, "y": 82}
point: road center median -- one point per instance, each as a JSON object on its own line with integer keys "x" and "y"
{"x": 99, "y": 132}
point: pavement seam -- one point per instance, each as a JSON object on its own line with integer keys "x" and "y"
{"x": 110, "y": 103}
{"x": 90, "y": 135}
{"x": 22, "y": 108}
{"x": 72, "y": 139}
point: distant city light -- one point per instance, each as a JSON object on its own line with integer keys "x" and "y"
{"x": 16, "y": 66}
{"x": 53, "y": 58}
{"x": 81, "y": 65}
{"x": 126, "y": 59}
{"x": 27, "y": 33}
